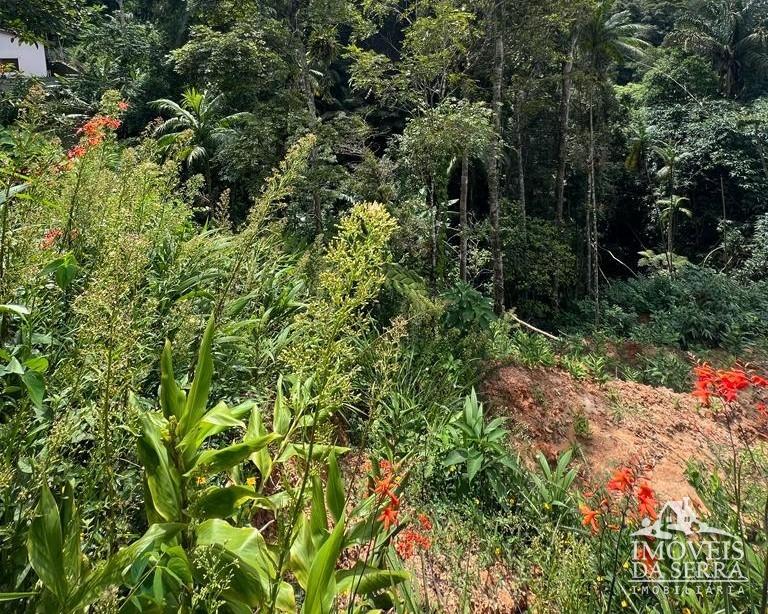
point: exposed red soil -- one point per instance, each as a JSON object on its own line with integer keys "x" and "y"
{"x": 628, "y": 423}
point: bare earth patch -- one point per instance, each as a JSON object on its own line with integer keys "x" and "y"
{"x": 625, "y": 422}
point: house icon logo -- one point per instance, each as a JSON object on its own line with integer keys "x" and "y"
{"x": 679, "y": 549}
{"x": 684, "y": 518}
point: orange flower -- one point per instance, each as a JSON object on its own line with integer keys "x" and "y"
{"x": 122, "y": 105}
{"x": 384, "y": 486}
{"x": 388, "y": 517}
{"x": 589, "y": 517}
{"x": 425, "y": 522}
{"x": 759, "y": 381}
{"x": 409, "y": 540}
{"x": 622, "y": 480}
{"x": 647, "y": 503}
{"x": 762, "y": 409}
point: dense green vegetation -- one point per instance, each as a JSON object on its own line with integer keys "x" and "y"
{"x": 257, "y": 258}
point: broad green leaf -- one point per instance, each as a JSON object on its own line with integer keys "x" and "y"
{"x": 335, "y": 488}
{"x": 473, "y": 466}
{"x": 70, "y": 526}
{"x": 45, "y": 545}
{"x": 260, "y": 458}
{"x": 215, "y": 421}
{"x": 254, "y": 568}
{"x": 38, "y": 363}
{"x": 365, "y": 580}
{"x": 110, "y": 572}
{"x": 321, "y": 587}
{"x": 163, "y": 480}
{"x": 172, "y": 397}
{"x": 318, "y": 516}
{"x": 224, "y": 502}
{"x": 281, "y": 419}
{"x": 197, "y": 400}
{"x": 214, "y": 461}
{"x": 302, "y": 552}
{"x": 35, "y": 386}
{"x": 18, "y": 310}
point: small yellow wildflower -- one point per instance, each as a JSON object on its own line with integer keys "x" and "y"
{"x": 547, "y": 507}
{"x": 251, "y": 481}
{"x": 624, "y": 603}
{"x": 200, "y": 480}
{"x": 498, "y": 551}
{"x": 626, "y": 565}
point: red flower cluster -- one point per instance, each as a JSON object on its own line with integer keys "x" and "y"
{"x": 385, "y": 488}
{"x": 95, "y": 128}
{"x": 50, "y": 237}
{"x": 624, "y": 481}
{"x": 122, "y": 105}
{"x": 646, "y": 501}
{"x": 413, "y": 539}
{"x": 726, "y": 385}
{"x": 78, "y": 151}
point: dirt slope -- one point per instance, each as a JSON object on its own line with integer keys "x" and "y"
{"x": 625, "y": 422}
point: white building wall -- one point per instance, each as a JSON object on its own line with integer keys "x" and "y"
{"x": 31, "y": 58}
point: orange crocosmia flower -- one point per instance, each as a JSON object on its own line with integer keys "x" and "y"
{"x": 647, "y": 503}
{"x": 703, "y": 394}
{"x": 762, "y": 409}
{"x": 385, "y": 467}
{"x": 622, "y": 480}
{"x": 425, "y": 522}
{"x": 589, "y": 517}
{"x": 759, "y": 381}
{"x": 384, "y": 486}
{"x": 122, "y": 105}
{"x": 388, "y": 517}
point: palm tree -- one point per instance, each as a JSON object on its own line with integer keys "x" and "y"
{"x": 669, "y": 208}
{"x": 197, "y": 127}
{"x": 729, "y": 33}
{"x": 606, "y": 38}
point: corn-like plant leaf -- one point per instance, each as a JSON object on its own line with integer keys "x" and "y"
{"x": 172, "y": 397}
{"x": 35, "y": 386}
{"x": 260, "y": 458}
{"x": 254, "y": 569}
{"x": 45, "y": 545}
{"x": 281, "y": 419}
{"x": 214, "y": 461}
{"x": 302, "y": 552}
{"x": 197, "y": 400}
{"x": 216, "y": 421}
{"x": 224, "y": 502}
{"x": 162, "y": 478}
{"x": 318, "y": 515}
{"x": 335, "y": 488}
{"x": 110, "y": 572}
{"x": 365, "y": 580}
{"x": 70, "y": 526}
{"x": 321, "y": 587}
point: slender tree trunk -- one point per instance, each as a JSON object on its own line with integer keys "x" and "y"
{"x": 593, "y": 210}
{"x": 565, "y": 111}
{"x": 493, "y": 172}
{"x": 463, "y": 216}
{"x": 521, "y": 164}
{"x": 670, "y": 235}
{"x": 433, "y": 238}
{"x": 725, "y": 217}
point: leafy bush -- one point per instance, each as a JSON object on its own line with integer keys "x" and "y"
{"x": 697, "y": 308}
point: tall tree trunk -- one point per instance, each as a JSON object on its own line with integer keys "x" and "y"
{"x": 521, "y": 161}
{"x": 463, "y": 216}
{"x": 493, "y": 171}
{"x": 434, "y": 234}
{"x": 670, "y": 235}
{"x": 565, "y": 112}
{"x": 593, "y": 210}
